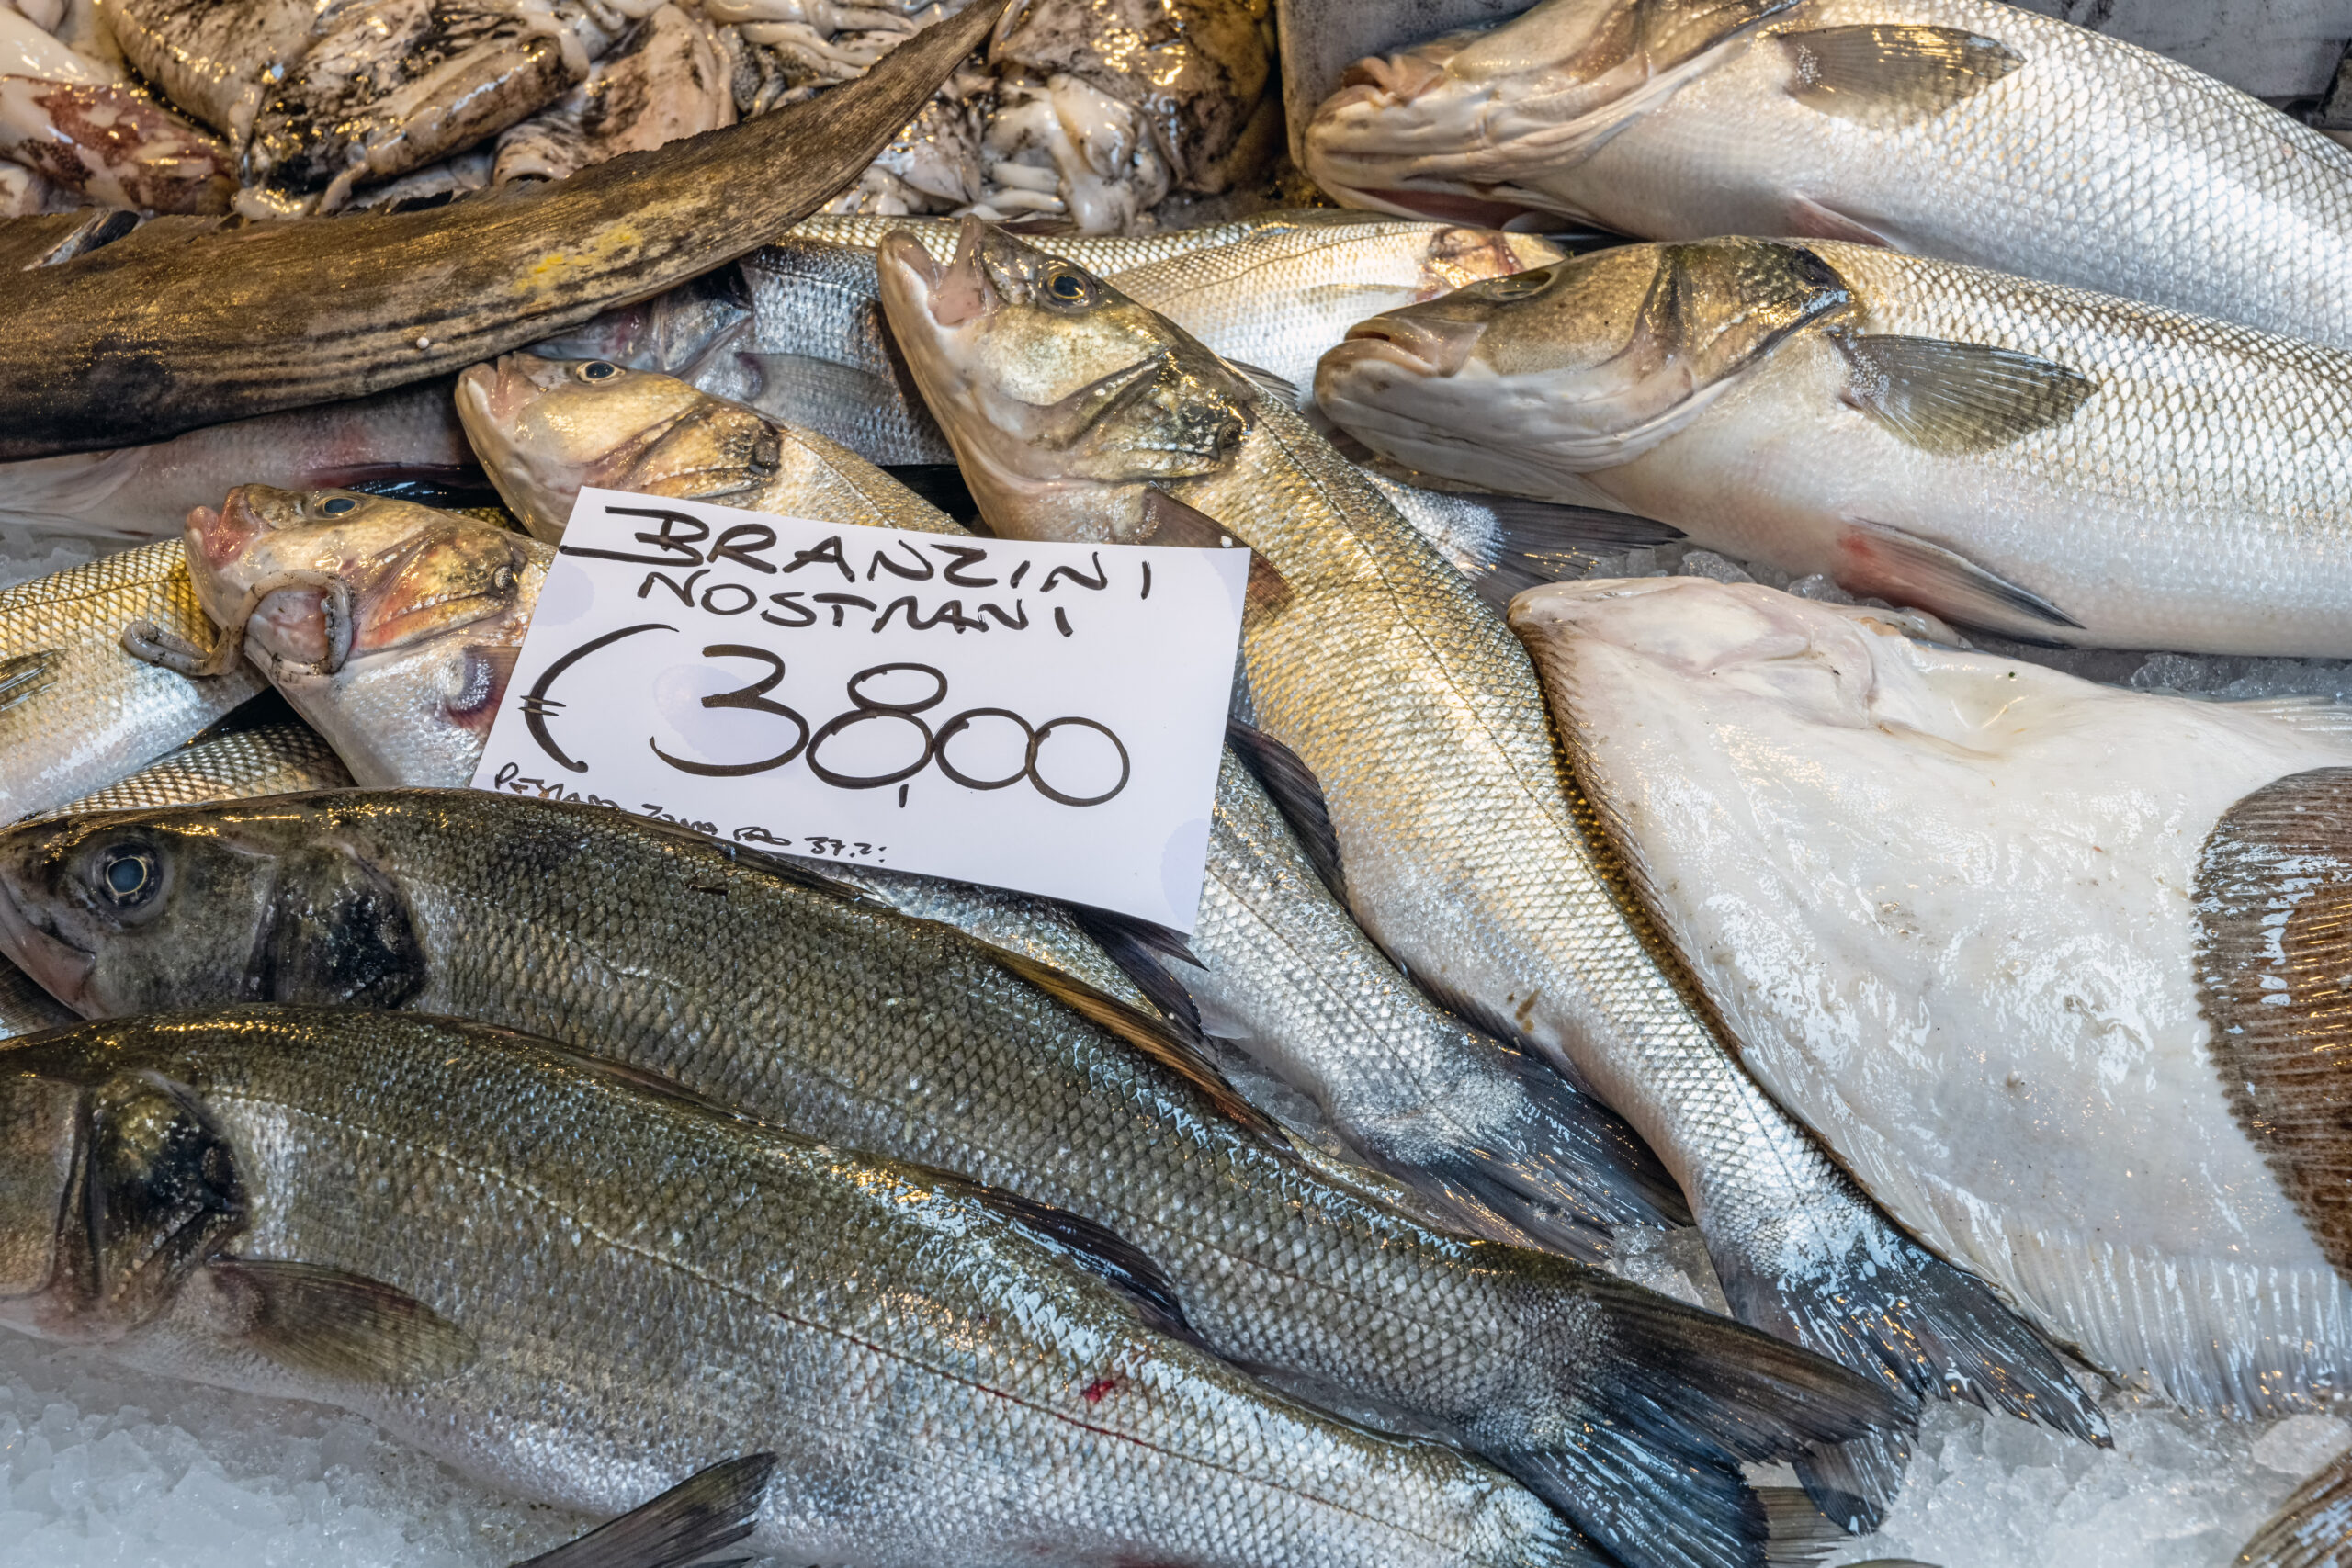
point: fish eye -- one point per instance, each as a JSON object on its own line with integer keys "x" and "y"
{"x": 598, "y": 370}
{"x": 1519, "y": 285}
{"x": 128, "y": 876}
{"x": 1066, "y": 286}
{"x": 336, "y": 505}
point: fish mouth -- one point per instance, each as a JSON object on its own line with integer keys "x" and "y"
{"x": 955, "y": 293}
{"x": 1386, "y": 81}
{"x": 498, "y": 391}
{"x": 1424, "y": 348}
{"x": 60, "y": 968}
{"x": 219, "y": 539}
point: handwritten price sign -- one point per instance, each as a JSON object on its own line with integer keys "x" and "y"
{"x": 1041, "y": 716}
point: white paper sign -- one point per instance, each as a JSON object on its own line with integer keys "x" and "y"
{"x": 1041, "y": 716}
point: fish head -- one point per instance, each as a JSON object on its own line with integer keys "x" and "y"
{"x": 544, "y": 428}
{"x": 117, "y": 1185}
{"x": 125, "y": 912}
{"x": 1466, "y": 127}
{"x": 1064, "y": 398}
{"x": 1572, "y": 367}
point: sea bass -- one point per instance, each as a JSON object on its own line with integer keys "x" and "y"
{"x": 267, "y": 758}
{"x": 2046, "y": 963}
{"x": 1964, "y": 129}
{"x": 1492, "y": 1143}
{"x": 909, "y": 1039}
{"x": 78, "y": 711}
{"x": 2044, "y": 463}
{"x": 1465, "y": 851}
{"x": 145, "y": 492}
{"x": 578, "y": 1285}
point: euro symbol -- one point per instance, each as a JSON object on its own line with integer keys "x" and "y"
{"x": 537, "y": 704}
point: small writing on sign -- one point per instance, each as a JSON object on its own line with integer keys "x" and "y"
{"x": 1042, "y": 716}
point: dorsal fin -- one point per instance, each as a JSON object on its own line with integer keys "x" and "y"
{"x": 1892, "y": 70}
{"x": 1162, "y": 1040}
{"x": 2274, "y": 954}
{"x": 1292, "y": 785}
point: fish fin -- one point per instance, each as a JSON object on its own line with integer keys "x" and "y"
{"x": 1283, "y": 774}
{"x": 1135, "y": 946}
{"x": 2307, "y": 716}
{"x": 712, "y": 1508}
{"x": 1955, "y": 398}
{"x": 1811, "y": 219}
{"x": 1853, "y": 1484}
{"x": 27, "y": 675}
{"x": 1579, "y": 1153}
{"x": 1894, "y": 1309}
{"x": 1797, "y": 1533}
{"x": 1097, "y": 1249}
{"x": 2310, "y": 1528}
{"x": 2274, "y": 943}
{"x": 332, "y": 1323}
{"x": 1167, "y": 521}
{"x": 1173, "y": 1048}
{"x": 1278, "y": 387}
{"x": 1877, "y": 562}
{"x": 1877, "y": 72}
{"x": 1538, "y": 542}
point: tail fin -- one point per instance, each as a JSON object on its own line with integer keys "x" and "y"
{"x": 709, "y": 1509}
{"x": 1895, "y": 1311}
{"x": 2312, "y": 1528}
{"x": 1649, "y": 1465}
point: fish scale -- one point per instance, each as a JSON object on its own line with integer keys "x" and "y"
{"x": 639, "y": 1286}
{"x": 94, "y": 713}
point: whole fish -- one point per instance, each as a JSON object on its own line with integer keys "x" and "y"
{"x": 2043, "y": 463}
{"x": 1964, "y": 129}
{"x": 185, "y": 322}
{"x": 2045, "y": 963}
{"x": 576, "y": 1285}
{"x": 1494, "y": 1144}
{"x": 78, "y": 711}
{"x": 1467, "y": 853}
{"x": 268, "y": 758}
{"x": 145, "y": 492}
{"x": 861, "y": 1026}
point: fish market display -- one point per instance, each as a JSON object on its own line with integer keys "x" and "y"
{"x": 1464, "y": 852}
{"x": 185, "y": 323}
{"x": 78, "y": 711}
{"x": 145, "y": 492}
{"x": 2010, "y": 942}
{"x": 2039, "y": 462}
{"x": 1963, "y": 129}
{"x": 1498, "y": 1145}
{"x": 584, "y": 1287}
{"x": 907, "y": 1039}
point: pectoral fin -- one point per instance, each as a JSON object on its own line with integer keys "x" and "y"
{"x": 1887, "y": 563}
{"x": 1283, "y": 774}
{"x": 326, "y": 1322}
{"x": 1955, "y": 398}
{"x": 1167, "y": 521}
{"x": 1891, "y": 71}
{"x": 28, "y": 675}
{"x": 709, "y": 1509}
{"x": 1280, "y": 388}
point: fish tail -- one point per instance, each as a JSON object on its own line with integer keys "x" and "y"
{"x": 1890, "y": 1309}
{"x": 2312, "y": 1528}
{"x": 1645, "y": 1456}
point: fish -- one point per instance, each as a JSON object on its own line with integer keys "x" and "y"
{"x": 1104, "y": 253}
{"x": 2038, "y": 959}
{"x": 78, "y": 711}
{"x": 576, "y": 1283}
{"x": 270, "y": 757}
{"x": 910, "y": 1040}
{"x": 79, "y": 124}
{"x": 2312, "y": 1528}
{"x": 185, "y": 323}
{"x": 711, "y": 1509}
{"x": 1965, "y": 131}
{"x": 2026, "y": 459}
{"x": 25, "y": 1007}
{"x": 411, "y": 435}
{"x": 1489, "y": 1141}
{"x": 667, "y": 77}
{"x": 1467, "y": 853}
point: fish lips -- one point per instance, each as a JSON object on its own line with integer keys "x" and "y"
{"x": 62, "y": 969}
{"x": 1421, "y": 347}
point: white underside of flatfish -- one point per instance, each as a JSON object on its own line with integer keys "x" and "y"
{"x": 1945, "y": 900}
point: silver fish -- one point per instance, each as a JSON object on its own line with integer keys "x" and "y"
{"x": 76, "y": 711}
{"x": 575, "y": 1282}
{"x": 1465, "y": 851}
{"x": 238, "y": 764}
{"x": 2034, "y": 460}
{"x": 2040, "y": 960}
{"x": 1965, "y": 129}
